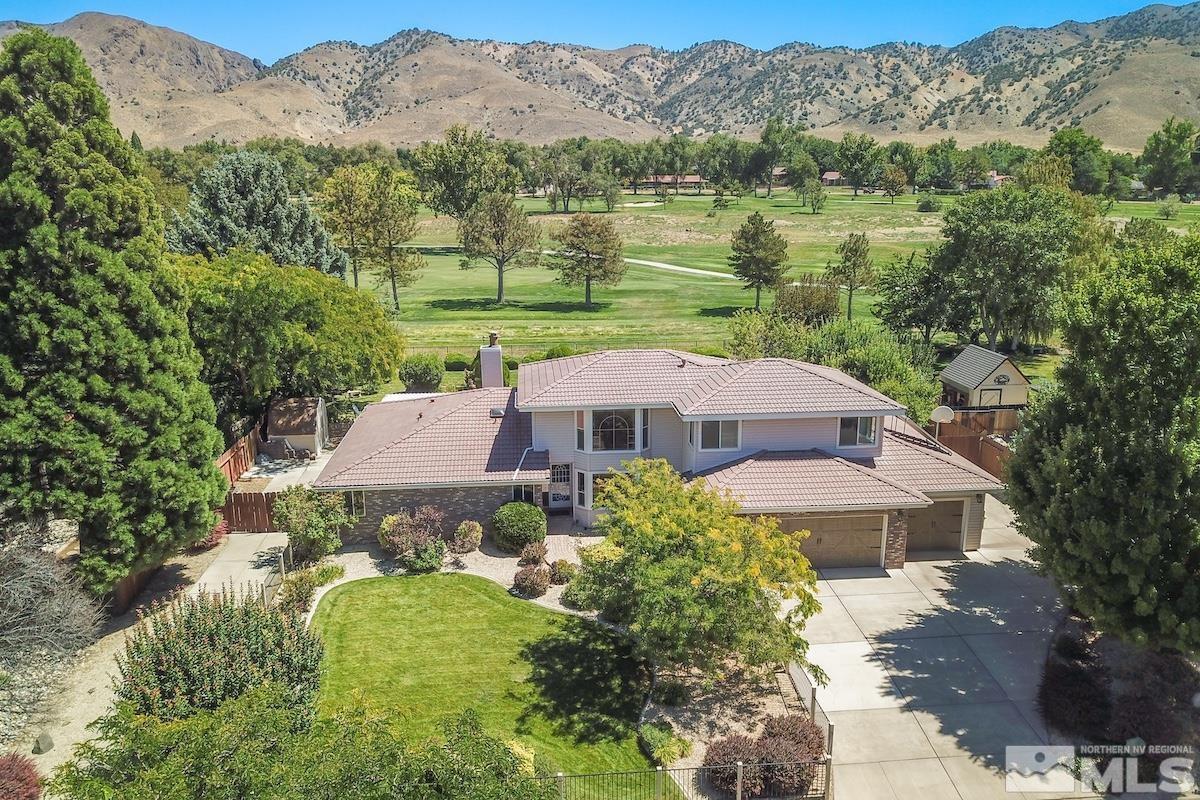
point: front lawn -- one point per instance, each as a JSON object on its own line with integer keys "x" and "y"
{"x": 424, "y": 647}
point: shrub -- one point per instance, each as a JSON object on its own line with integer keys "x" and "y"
{"x": 672, "y": 692}
{"x": 723, "y": 756}
{"x": 1074, "y": 698}
{"x": 1070, "y": 647}
{"x": 532, "y": 581}
{"x": 1168, "y": 207}
{"x": 196, "y": 653}
{"x": 422, "y": 373}
{"x": 467, "y": 537}
{"x": 574, "y": 595}
{"x": 19, "y": 778}
{"x": 300, "y": 585}
{"x": 659, "y": 742}
{"x": 215, "y": 535}
{"x": 784, "y": 741}
{"x": 928, "y": 202}
{"x": 456, "y": 362}
{"x": 544, "y": 766}
{"x": 561, "y": 572}
{"x": 533, "y": 553}
{"x": 558, "y": 351}
{"x": 517, "y": 524}
{"x": 313, "y": 520}
{"x": 414, "y": 538}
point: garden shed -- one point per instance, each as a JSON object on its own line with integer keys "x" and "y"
{"x": 300, "y": 422}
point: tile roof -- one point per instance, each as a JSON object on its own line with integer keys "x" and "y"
{"x": 971, "y": 367}
{"x": 447, "y": 439}
{"x": 696, "y": 386}
{"x": 910, "y": 465}
{"x": 808, "y": 480}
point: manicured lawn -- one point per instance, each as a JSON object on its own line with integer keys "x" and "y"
{"x": 421, "y": 648}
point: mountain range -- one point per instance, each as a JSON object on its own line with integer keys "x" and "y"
{"x": 1118, "y": 78}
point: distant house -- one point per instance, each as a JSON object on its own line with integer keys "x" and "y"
{"x": 300, "y": 422}
{"x": 676, "y": 182}
{"x": 995, "y": 180}
{"x": 832, "y": 178}
{"x": 982, "y": 378}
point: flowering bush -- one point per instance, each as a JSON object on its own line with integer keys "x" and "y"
{"x": 467, "y": 537}
{"x": 195, "y": 653}
{"x": 19, "y": 778}
{"x": 532, "y": 581}
{"x": 414, "y": 538}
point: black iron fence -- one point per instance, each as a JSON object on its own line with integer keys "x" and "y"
{"x": 802, "y": 780}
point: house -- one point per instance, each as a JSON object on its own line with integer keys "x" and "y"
{"x": 676, "y": 182}
{"x": 832, "y": 178}
{"x": 982, "y": 378}
{"x": 302, "y": 423}
{"x": 802, "y": 442}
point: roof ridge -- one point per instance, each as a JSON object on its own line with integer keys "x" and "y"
{"x": 424, "y": 423}
{"x": 850, "y": 383}
{"x": 945, "y": 457}
{"x": 585, "y": 361}
{"x": 882, "y": 478}
{"x": 718, "y": 384}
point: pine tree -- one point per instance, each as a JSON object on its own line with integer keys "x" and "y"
{"x": 759, "y": 256}
{"x": 243, "y": 201}
{"x": 854, "y": 270}
{"x": 102, "y": 416}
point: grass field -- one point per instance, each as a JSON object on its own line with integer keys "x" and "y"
{"x": 425, "y": 647}
{"x": 450, "y": 309}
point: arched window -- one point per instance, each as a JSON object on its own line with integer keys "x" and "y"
{"x": 614, "y": 429}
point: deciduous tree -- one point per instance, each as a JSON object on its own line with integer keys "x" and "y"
{"x": 243, "y": 201}
{"x": 1169, "y": 157}
{"x": 915, "y": 293}
{"x": 498, "y": 232}
{"x": 103, "y": 418}
{"x": 815, "y": 195}
{"x": 893, "y": 183}
{"x": 454, "y": 173}
{"x": 697, "y": 584}
{"x": 589, "y": 252}
{"x": 393, "y": 215}
{"x": 759, "y": 256}
{"x": 347, "y": 202}
{"x": 859, "y": 159}
{"x": 854, "y": 269}
{"x": 1105, "y": 477}
{"x": 1086, "y": 156}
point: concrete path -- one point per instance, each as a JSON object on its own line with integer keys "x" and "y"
{"x": 703, "y": 273}
{"x": 245, "y": 562}
{"x": 934, "y": 669}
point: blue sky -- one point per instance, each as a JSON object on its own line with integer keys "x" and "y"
{"x": 270, "y": 30}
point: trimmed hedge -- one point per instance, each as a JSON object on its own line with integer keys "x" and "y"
{"x": 422, "y": 373}
{"x": 456, "y": 362}
{"x": 517, "y": 524}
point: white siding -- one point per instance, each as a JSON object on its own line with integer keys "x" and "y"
{"x": 555, "y": 431}
{"x": 786, "y": 434}
{"x": 668, "y": 437}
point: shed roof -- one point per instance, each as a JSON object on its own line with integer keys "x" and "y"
{"x": 971, "y": 367}
{"x": 293, "y": 416}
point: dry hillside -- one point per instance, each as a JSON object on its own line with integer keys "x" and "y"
{"x": 1118, "y": 77}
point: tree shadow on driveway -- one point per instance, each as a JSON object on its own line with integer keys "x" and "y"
{"x": 586, "y": 682}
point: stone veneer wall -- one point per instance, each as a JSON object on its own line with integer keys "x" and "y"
{"x": 896, "y": 546}
{"x": 460, "y": 503}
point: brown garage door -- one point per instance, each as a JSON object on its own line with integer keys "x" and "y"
{"x": 937, "y": 527}
{"x": 841, "y": 541}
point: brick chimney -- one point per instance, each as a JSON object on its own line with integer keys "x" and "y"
{"x": 491, "y": 363}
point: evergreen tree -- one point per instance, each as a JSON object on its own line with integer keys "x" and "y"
{"x": 854, "y": 270}
{"x": 103, "y": 418}
{"x": 589, "y": 252}
{"x": 243, "y": 201}
{"x": 1104, "y": 476}
{"x": 759, "y": 256}
{"x": 499, "y": 233}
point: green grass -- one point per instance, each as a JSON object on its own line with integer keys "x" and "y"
{"x": 421, "y": 648}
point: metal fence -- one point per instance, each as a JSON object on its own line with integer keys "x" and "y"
{"x": 271, "y": 585}
{"x": 801, "y": 780}
{"x": 807, "y": 691}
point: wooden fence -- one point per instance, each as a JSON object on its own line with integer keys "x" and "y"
{"x": 250, "y": 512}
{"x": 989, "y": 452}
{"x": 239, "y": 457}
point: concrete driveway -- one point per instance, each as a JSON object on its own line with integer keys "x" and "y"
{"x": 933, "y": 669}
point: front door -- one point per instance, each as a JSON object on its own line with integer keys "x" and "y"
{"x": 560, "y": 486}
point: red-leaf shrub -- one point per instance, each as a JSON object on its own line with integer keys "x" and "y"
{"x": 533, "y": 553}
{"x": 19, "y": 779}
{"x": 414, "y": 538}
{"x": 786, "y": 748}
{"x": 218, "y": 532}
{"x": 532, "y": 581}
{"x": 722, "y": 757}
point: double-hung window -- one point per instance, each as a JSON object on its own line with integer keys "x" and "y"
{"x": 581, "y": 489}
{"x": 724, "y": 434}
{"x": 645, "y": 429}
{"x": 356, "y": 504}
{"x": 857, "y": 432}
{"x": 580, "y": 431}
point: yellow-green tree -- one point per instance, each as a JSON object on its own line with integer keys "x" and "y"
{"x": 698, "y": 584}
{"x": 393, "y": 222}
{"x": 346, "y": 201}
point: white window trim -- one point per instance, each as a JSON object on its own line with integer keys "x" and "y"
{"x": 719, "y": 422}
{"x": 874, "y": 443}
{"x": 638, "y": 444}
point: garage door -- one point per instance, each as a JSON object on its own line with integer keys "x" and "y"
{"x": 937, "y": 527}
{"x": 841, "y": 541}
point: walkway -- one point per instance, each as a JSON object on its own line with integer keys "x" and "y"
{"x": 703, "y": 273}
{"x": 934, "y": 669}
